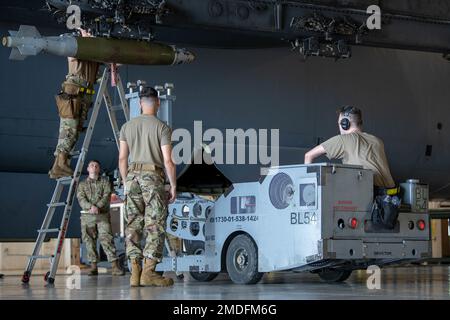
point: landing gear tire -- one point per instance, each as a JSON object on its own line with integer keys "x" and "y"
{"x": 198, "y": 248}
{"x": 242, "y": 261}
{"x": 334, "y": 276}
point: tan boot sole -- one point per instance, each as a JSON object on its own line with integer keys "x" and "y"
{"x": 55, "y": 176}
{"x": 156, "y": 284}
{"x": 69, "y": 173}
{"x": 61, "y": 174}
{"x": 52, "y": 176}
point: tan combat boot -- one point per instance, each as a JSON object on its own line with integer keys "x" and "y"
{"x": 116, "y": 270}
{"x": 136, "y": 270}
{"x": 62, "y": 160}
{"x": 150, "y": 278}
{"x": 57, "y": 172}
{"x": 94, "y": 270}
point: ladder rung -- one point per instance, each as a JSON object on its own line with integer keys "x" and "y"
{"x": 48, "y": 230}
{"x": 117, "y": 108}
{"x": 75, "y": 154}
{"x": 65, "y": 180}
{"x": 42, "y": 257}
{"x": 56, "y": 204}
{"x": 73, "y": 180}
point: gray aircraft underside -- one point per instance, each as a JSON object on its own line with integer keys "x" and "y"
{"x": 403, "y": 94}
{"x": 415, "y": 24}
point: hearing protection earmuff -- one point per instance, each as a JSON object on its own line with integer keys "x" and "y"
{"x": 345, "y": 124}
{"x": 345, "y": 121}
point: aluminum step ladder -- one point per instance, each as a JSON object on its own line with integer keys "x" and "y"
{"x": 110, "y": 72}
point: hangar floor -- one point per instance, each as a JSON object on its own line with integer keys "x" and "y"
{"x": 415, "y": 282}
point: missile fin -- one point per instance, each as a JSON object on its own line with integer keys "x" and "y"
{"x": 16, "y": 55}
{"x": 28, "y": 50}
{"x": 28, "y": 31}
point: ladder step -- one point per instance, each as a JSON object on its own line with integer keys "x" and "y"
{"x": 75, "y": 153}
{"x": 117, "y": 107}
{"x": 72, "y": 181}
{"x": 42, "y": 257}
{"x": 65, "y": 180}
{"x": 56, "y": 204}
{"x": 48, "y": 230}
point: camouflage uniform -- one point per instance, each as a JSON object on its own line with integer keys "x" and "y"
{"x": 82, "y": 74}
{"x": 96, "y": 193}
{"x": 146, "y": 208}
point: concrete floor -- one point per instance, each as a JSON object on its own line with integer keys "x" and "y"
{"x": 415, "y": 282}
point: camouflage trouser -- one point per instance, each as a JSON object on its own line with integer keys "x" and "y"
{"x": 146, "y": 209}
{"x": 69, "y": 129}
{"x": 68, "y": 135}
{"x": 95, "y": 226}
